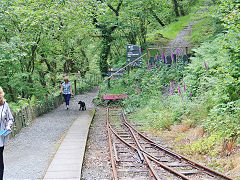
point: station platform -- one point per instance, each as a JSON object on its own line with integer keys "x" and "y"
{"x": 68, "y": 160}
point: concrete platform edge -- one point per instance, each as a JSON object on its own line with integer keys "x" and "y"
{"x": 92, "y": 117}
{"x": 92, "y": 112}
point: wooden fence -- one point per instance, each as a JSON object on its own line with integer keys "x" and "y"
{"x": 26, "y": 115}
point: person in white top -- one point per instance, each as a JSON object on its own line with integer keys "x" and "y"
{"x": 5, "y": 124}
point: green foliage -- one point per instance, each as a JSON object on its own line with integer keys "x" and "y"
{"x": 149, "y": 81}
{"x": 174, "y": 28}
{"x": 221, "y": 83}
{"x": 205, "y": 29}
{"x": 161, "y": 113}
{"x": 39, "y": 40}
{"x": 214, "y": 101}
{"x": 206, "y": 145}
{"x": 224, "y": 118}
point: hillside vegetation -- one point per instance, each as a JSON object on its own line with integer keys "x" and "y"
{"x": 203, "y": 95}
{"x": 42, "y": 41}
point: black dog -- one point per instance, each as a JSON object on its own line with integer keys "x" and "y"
{"x": 82, "y": 106}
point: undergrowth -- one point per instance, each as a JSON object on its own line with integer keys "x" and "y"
{"x": 204, "y": 93}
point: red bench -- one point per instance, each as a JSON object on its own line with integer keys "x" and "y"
{"x": 115, "y": 96}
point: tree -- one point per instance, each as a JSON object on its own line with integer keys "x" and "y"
{"x": 106, "y": 33}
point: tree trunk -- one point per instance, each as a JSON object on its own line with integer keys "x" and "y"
{"x": 175, "y": 3}
{"x": 107, "y": 37}
{"x": 85, "y": 65}
{"x": 11, "y": 94}
{"x": 156, "y": 17}
{"x": 143, "y": 33}
{"x": 181, "y": 9}
{"x": 104, "y": 55}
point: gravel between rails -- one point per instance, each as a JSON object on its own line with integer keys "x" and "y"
{"x": 28, "y": 154}
{"x": 96, "y": 164}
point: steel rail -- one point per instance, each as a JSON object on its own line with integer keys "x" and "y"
{"x": 115, "y": 176}
{"x": 150, "y": 156}
{"x": 154, "y": 173}
{"x": 153, "y": 143}
{"x": 181, "y": 156}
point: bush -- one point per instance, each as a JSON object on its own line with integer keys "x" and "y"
{"x": 213, "y": 78}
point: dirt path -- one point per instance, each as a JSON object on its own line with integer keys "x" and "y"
{"x": 28, "y": 154}
{"x": 181, "y": 39}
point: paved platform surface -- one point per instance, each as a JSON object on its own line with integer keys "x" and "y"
{"x": 68, "y": 160}
{"x": 27, "y": 156}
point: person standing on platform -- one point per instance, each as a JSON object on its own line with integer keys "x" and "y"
{"x": 6, "y": 124}
{"x": 66, "y": 89}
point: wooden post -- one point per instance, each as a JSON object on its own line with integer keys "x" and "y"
{"x": 149, "y": 53}
{"x": 46, "y": 105}
{"x": 19, "y": 121}
{"x": 35, "y": 100}
{"x": 109, "y": 84}
{"x": 79, "y": 85}
{"x": 75, "y": 86}
{"x": 146, "y": 59}
{"x": 22, "y": 116}
{"x": 90, "y": 80}
{"x": 27, "y": 115}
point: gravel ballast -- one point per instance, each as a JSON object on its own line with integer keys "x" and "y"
{"x": 29, "y": 153}
{"x": 96, "y": 164}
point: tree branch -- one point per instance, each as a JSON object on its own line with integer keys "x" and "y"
{"x": 116, "y": 11}
{"x": 95, "y": 21}
{"x": 119, "y": 5}
{"x": 95, "y": 36}
{"x": 156, "y": 17}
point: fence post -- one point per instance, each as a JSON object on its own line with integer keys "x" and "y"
{"x": 75, "y": 86}
{"x": 46, "y": 105}
{"x": 23, "y": 116}
{"x": 90, "y": 79}
{"x": 146, "y": 59}
{"x": 35, "y": 100}
{"x": 149, "y": 53}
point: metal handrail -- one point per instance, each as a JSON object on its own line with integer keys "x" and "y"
{"x": 126, "y": 66}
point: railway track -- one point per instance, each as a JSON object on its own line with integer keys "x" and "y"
{"x": 135, "y": 156}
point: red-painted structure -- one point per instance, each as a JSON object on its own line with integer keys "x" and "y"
{"x": 115, "y": 96}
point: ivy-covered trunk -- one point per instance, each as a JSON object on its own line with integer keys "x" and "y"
{"x": 104, "y": 55}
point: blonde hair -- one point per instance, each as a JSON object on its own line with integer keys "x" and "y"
{"x": 2, "y": 100}
{"x": 66, "y": 78}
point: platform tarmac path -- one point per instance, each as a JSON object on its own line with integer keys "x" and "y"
{"x": 68, "y": 160}
{"x": 29, "y": 154}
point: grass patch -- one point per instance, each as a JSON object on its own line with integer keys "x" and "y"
{"x": 174, "y": 28}
{"x": 201, "y": 31}
{"x": 161, "y": 36}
